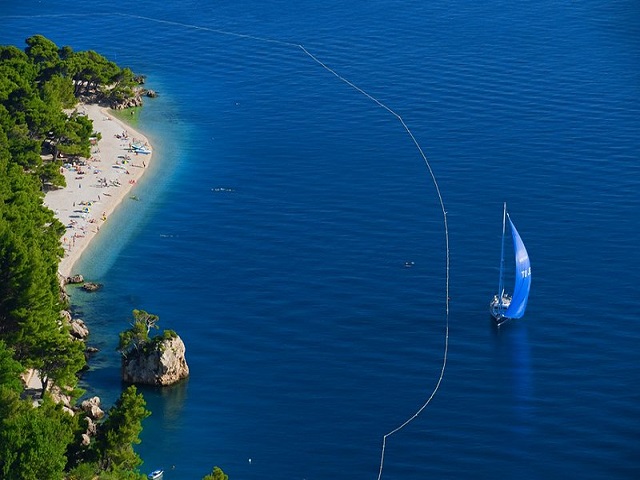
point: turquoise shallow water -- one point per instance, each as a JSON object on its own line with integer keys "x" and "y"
{"x": 273, "y": 232}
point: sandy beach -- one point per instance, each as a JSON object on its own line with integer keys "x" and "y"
{"x": 96, "y": 188}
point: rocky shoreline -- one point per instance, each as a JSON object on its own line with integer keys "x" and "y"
{"x": 106, "y": 99}
{"x": 161, "y": 362}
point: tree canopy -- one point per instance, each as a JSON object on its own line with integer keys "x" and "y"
{"x": 121, "y": 431}
{"x": 137, "y": 338}
{"x": 39, "y": 88}
{"x": 33, "y": 441}
{"x": 216, "y": 474}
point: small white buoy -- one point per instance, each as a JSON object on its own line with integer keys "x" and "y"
{"x": 249, "y": 461}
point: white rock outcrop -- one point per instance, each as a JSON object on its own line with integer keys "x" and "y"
{"x": 92, "y": 407}
{"x": 78, "y": 329}
{"x": 159, "y": 363}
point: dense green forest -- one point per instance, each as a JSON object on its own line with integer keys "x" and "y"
{"x": 39, "y": 86}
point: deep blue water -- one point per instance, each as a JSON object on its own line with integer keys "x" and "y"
{"x": 307, "y": 338}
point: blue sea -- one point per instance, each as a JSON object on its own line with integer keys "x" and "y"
{"x": 291, "y": 232}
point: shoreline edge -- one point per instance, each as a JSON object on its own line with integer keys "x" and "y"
{"x": 97, "y": 185}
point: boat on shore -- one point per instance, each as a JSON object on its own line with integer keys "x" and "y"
{"x": 140, "y": 148}
{"x": 143, "y": 150}
{"x": 505, "y": 306}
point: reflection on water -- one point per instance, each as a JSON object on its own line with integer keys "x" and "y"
{"x": 166, "y": 402}
{"x": 514, "y": 354}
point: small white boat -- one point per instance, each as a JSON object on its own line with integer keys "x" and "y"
{"x": 139, "y": 148}
{"x": 143, "y": 150}
{"x": 156, "y": 474}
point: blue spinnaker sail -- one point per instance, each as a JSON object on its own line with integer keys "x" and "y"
{"x": 523, "y": 277}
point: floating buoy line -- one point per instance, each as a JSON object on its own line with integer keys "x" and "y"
{"x": 382, "y": 105}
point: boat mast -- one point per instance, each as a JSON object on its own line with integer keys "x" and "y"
{"x": 501, "y": 282}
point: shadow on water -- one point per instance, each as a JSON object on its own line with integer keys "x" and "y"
{"x": 162, "y": 429}
{"x": 166, "y": 402}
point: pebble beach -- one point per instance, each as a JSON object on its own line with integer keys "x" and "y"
{"x": 97, "y": 185}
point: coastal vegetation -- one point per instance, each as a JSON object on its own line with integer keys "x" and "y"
{"x": 137, "y": 338}
{"x": 39, "y": 128}
{"x": 216, "y": 474}
{"x": 39, "y": 88}
{"x": 112, "y": 454}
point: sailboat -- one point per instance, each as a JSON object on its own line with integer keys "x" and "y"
{"x": 504, "y": 306}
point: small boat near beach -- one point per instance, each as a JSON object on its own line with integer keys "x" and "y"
{"x": 156, "y": 474}
{"x": 143, "y": 150}
{"x": 139, "y": 148}
{"x": 503, "y": 306}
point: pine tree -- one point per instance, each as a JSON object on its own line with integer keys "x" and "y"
{"x": 121, "y": 431}
{"x": 216, "y": 474}
{"x": 33, "y": 441}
